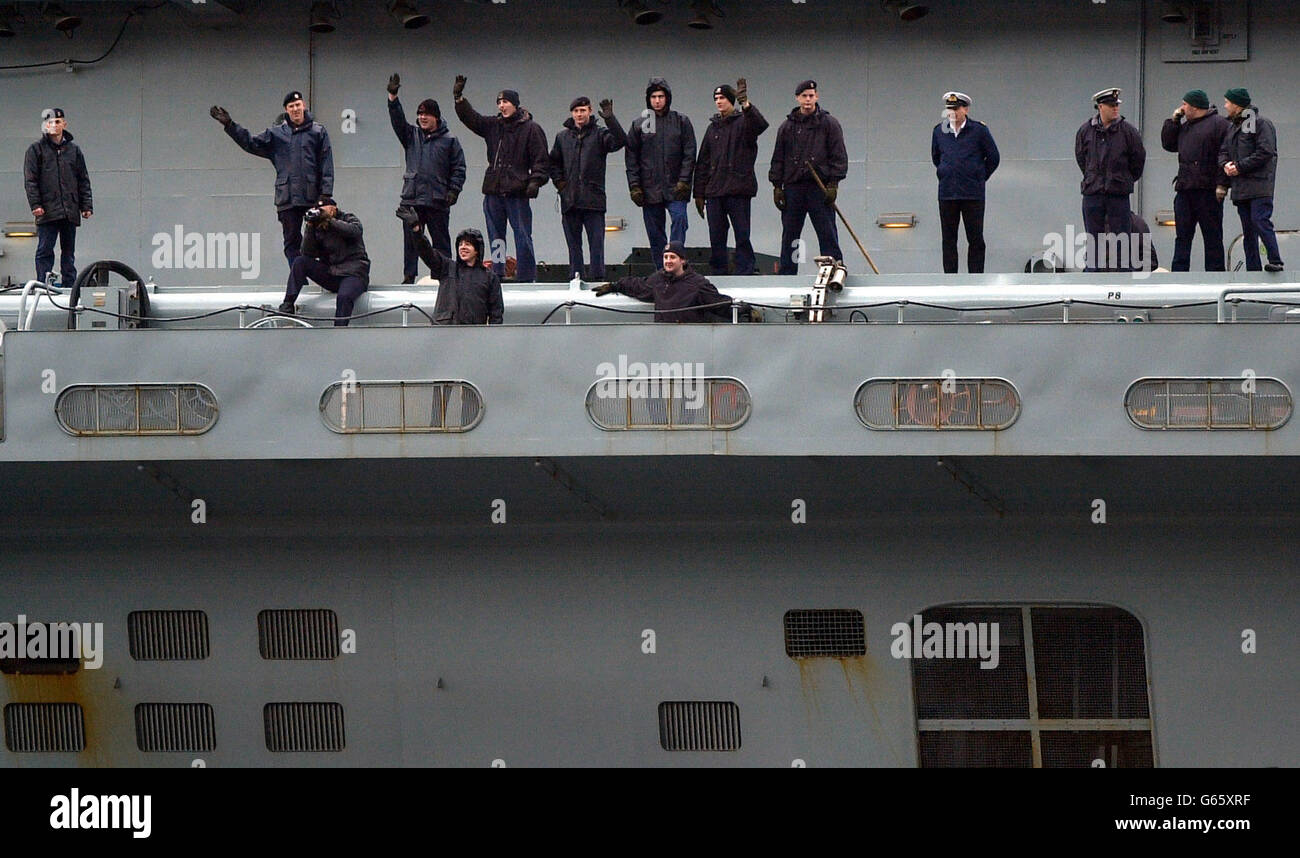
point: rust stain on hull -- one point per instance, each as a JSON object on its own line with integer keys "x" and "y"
{"x": 90, "y": 689}
{"x": 862, "y": 682}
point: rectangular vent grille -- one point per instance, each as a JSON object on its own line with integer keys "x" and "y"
{"x": 298, "y": 634}
{"x": 304, "y": 726}
{"x": 44, "y": 727}
{"x": 699, "y": 726}
{"x": 40, "y": 666}
{"x": 167, "y": 635}
{"x": 825, "y": 633}
{"x": 175, "y": 727}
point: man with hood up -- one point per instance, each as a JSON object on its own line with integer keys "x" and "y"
{"x": 578, "y": 171}
{"x": 660, "y": 160}
{"x": 299, "y": 147}
{"x": 435, "y": 173}
{"x": 1195, "y": 132}
{"x": 1111, "y": 156}
{"x": 808, "y": 135}
{"x": 724, "y": 174}
{"x": 517, "y": 168}
{"x": 58, "y": 194}
{"x": 469, "y": 292}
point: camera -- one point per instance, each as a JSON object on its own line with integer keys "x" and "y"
{"x": 314, "y": 215}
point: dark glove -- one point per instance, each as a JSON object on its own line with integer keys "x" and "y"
{"x": 742, "y": 93}
{"x": 832, "y": 191}
{"x": 604, "y": 289}
{"x": 682, "y": 192}
{"x": 638, "y": 196}
{"x": 394, "y": 83}
{"x": 409, "y": 217}
{"x": 459, "y": 87}
{"x": 533, "y": 188}
{"x": 220, "y": 114}
{"x": 607, "y": 109}
{"x": 560, "y": 185}
{"x": 778, "y": 197}
{"x": 452, "y": 196}
{"x": 699, "y": 205}
{"x": 1220, "y": 193}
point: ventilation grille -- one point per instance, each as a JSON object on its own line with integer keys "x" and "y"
{"x": 298, "y": 634}
{"x": 44, "y": 727}
{"x": 668, "y": 402}
{"x": 304, "y": 726}
{"x": 1208, "y": 403}
{"x": 696, "y": 726}
{"x": 175, "y": 727}
{"x": 822, "y": 633}
{"x": 136, "y": 409}
{"x": 937, "y": 403}
{"x": 167, "y": 635}
{"x": 401, "y": 406}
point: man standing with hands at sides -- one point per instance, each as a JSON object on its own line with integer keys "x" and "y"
{"x": 1196, "y": 133}
{"x": 304, "y": 163}
{"x": 517, "y": 169}
{"x": 965, "y": 156}
{"x": 58, "y": 194}
{"x": 1111, "y": 157}
{"x": 724, "y": 174}
{"x": 1249, "y": 158}
{"x": 660, "y": 162}
{"x": 578, "y": 171}
{"x": 808, "y": 134}
{"x": 435, "y": 173}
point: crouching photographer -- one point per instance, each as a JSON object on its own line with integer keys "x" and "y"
{"x": 334, "y": 256}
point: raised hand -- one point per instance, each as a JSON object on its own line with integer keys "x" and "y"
{"x": 459, "y": 87}
{"x": 742, "y": 92}
{"x": 607, "y": 109}
{"x": 394, "y": 83}
{"x": 220, "y": 114}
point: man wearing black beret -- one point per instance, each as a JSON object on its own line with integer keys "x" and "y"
{"x": 577, "y": 168}
{"x": 808, "y": 136}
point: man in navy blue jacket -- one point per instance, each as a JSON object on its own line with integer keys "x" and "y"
{"x": 434, "y": 176}
{"x": 304, "y": 163}
{"x": 965, "y": 155}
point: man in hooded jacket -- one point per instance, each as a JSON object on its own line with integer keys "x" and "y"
{"x": 299, "y": 147}
{"x": 58, "y": 194}
{"x": 435, "y": 173}
{"x": 517, "y": 169}
{"x": 724, "y": 174}
{"x": 660, "y": 160}
{"x": 578, "y": 171}
{"x": 469, "y": 292}
{"x": 808, "y": 135}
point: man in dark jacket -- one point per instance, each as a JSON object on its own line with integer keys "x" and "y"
{"x": 660, "y": 162}
{"x": 333, "y": 255}
{"x": 58, "y": 194}
{"x": 808, "y": 134}
{"x": 435, "y": 173}
{"x": 724, "y": 174}
{"x": 578, "y": 171}
{"x": 1249, "y": 158}
{"x": 469, "y": 292}
{"x": 964, "y": 156}
{"x": 1111, "y": 157}
{"x": 300, "y": 149}
{"x": 517, "y": 169}
{"x": 1196, "y": 132}
{"x": 679, "y": 294}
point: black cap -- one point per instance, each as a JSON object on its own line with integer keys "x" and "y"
{"x": 676, "y": 247}
{"x": 509, "y": 95}
{"x": 293, "y": 96}
{"x": 726, "y": 91}
{"x": 807, "y": 84}
{"x": 580, "y": 101}
{"x": 326, "y": 200}
{"x": 429, "y": 106}
{"x": 52, "y": 113}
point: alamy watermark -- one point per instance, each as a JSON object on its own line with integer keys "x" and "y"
{"x": 654, "y": 380}
{"x": 211, "y": 250}
{"x": 946, "y": 640}
{"x": 23, "y": 640}
{"x": 1130, "y": 252}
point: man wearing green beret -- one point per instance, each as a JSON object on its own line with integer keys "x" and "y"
{"x": 1196, "y": 132}
{"x": 1249, "y": 158}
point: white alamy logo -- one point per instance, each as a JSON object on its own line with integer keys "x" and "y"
{"x": 654, "y": 380}
{"x": 212, "y": 250}
{"x": 132, "y": 812}
{"x": 946, "y": 640}
{"x": 53, "y": 640}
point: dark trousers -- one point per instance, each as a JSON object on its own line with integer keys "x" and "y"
{"x": 719, "y": 211}
{"x": 1193, "y": 208}
{"x": 498, "y": 210}
{"x": 66, "y": 233}
{"x": 972, "y": 212}
{"x": 347, "y": 288}
{"x": 291, "y": 225}
{"x": 655, "y": 217}
{"x": 805, "y": 199}
{"x": 1103, "y": 214}
{"x": 575, "y": 221}
{"x": 438, "y": 219}
{"x": 1256, "y": 226}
